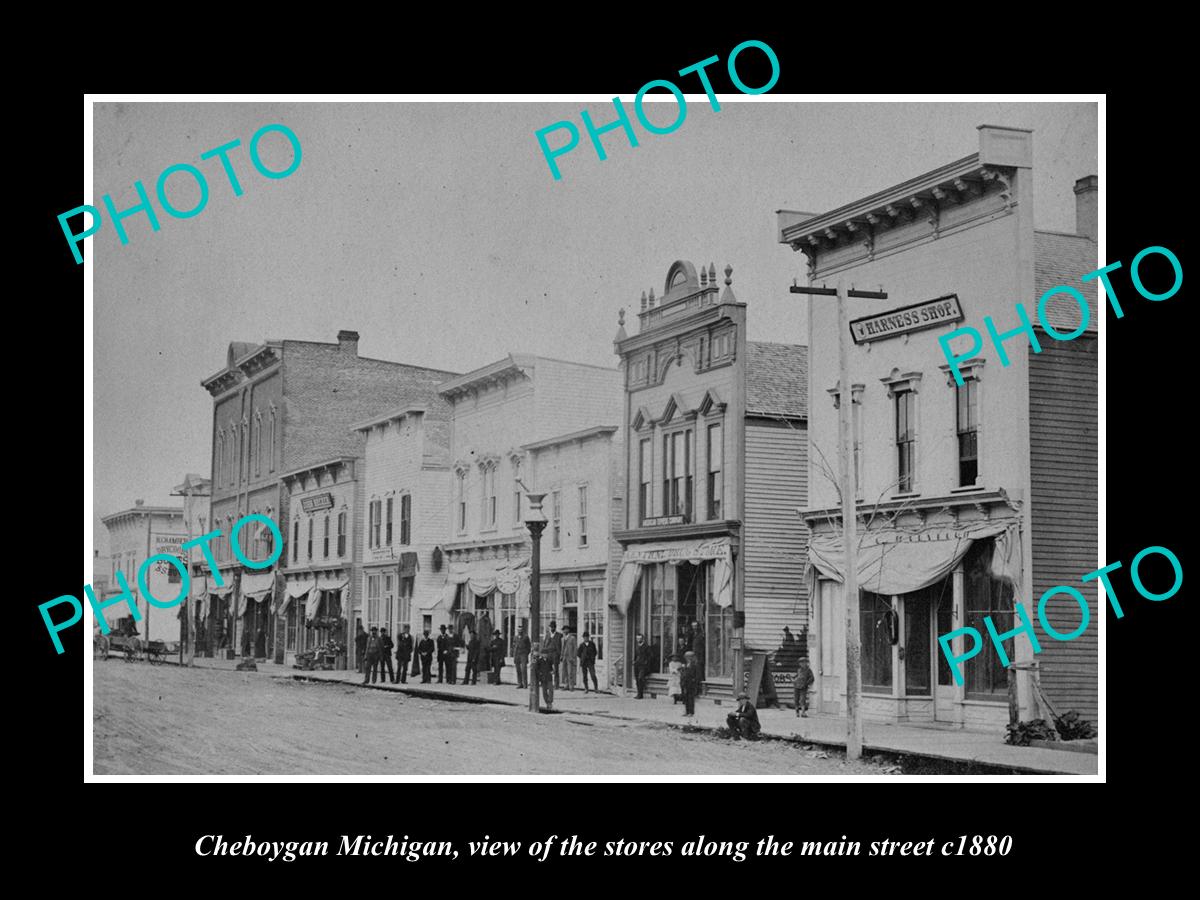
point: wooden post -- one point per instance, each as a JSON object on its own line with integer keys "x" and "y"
{"x": 854, "y": 733}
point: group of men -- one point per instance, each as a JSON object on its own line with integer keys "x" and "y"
{"x": 557, "y": 660}
{"x": 646, "y": 662}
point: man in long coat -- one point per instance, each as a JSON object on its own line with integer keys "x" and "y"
{"x": 404, "y": 652}
{"x": 521, "y": 649}
{"x": 425, "y": 650}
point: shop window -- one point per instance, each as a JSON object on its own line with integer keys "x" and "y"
{"x": 508, "y": 619}
{"x": 555, "y": 520}
{"x": 967, "y": 420}
{"x": 406, "y": 520}
{"x": 372, "y": 601}
{"x": 658, "y": 582}
{"x": 677, "y": 474}
{"x": 291, "y": 623}
{"x": 718, "y": 631}
{"x": 548, "y": 612}
{"x": 876, "y": 623}
{"x": 583, "y": 515}
{"x": 716, "y": 484}
{"x": 389, "y": 601}
{"x": 985, "y": 595}
{"x": 405, "y": 605}
{"x": 645, "y": 479}
{"x": 341, "y": 534}
{"x": 592, "y": 617}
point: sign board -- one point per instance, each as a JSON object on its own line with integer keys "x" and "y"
{"x": 754, "y": 684}
{"x": 381, "y": 554}
{"x": 317, "y": 502}
{"x": 168, "y": 545}
{"x": 905, "y": 319}
{"x": 664, "y": 520}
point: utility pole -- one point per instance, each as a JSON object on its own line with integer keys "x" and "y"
{"x": 848, "y": 489}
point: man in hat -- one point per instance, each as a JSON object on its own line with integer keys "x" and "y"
{"x": 643, "y": 661}
{"x": 804, "y": 680}
{"x": 371, "y": 656}
{"x": 497, "y": 650}
{"x": 743, "y": 721}
{"x": 442, "y": 643}
{"x": 386, "y": 646}
{"x": 587, "y": 661}
{"x": 552, "y": 648}
{"x": 425, "y": 650}
{"x": 360, "y": 648}
{"x": 689, "y": 682}
{"x": 404, "y": 652}
{"x": 544, "y": 672}
{"x": 471, "y": 672}
{"x": 570, "y": 647}
{"x": 521, "y": 650}
{"x": 453, "y": 642}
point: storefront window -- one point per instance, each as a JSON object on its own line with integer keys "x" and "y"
{"x": 718, "y": 650}
{"x": 663, "y": 612}
{"x": 986, "y": 595}
{"x": 508, "y": 619}
{"x": 389, "y": 600}
{"x": 291, "y": 624}
{"x": 548, "y": 611}
{"x": 593, "y": 617}
{"x": 372, "y": 601}
{"x": 875, "y": 631}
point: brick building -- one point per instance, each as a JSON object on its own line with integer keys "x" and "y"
{"x": 283, "y": 407}
{"x": 503, "y": 416}
{"x": 968, "y": 495}
{"x": 716, "y": 464}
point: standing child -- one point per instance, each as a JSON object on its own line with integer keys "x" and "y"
{"x": 800, "y": 687}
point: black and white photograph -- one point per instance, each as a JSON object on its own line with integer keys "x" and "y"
{"x": 437, "y": 438}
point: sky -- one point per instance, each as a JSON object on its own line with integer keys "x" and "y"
{"x": 437, "y": 231}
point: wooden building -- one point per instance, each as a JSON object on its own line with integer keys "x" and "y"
{"x": 971, "y": 495}
{"x": 715, "y": 465}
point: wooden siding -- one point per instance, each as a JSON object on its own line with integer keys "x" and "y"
{"x": 775, "y": 540}
{"x": 1064, "y": 513}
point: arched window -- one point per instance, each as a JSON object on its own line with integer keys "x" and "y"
{"x": 271, "y": 449}
{"x": 256, "y": 440}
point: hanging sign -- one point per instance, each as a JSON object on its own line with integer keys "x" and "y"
{"x": 900, "y": 321}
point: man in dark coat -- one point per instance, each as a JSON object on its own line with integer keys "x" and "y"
{"x": 587, "y": 661}
{"x": 804, "y": 680}
{"x": 386, "y": 646}
{"x": 552, "y": 648}
{"x": 521, "y": 649}
{"x": 643, "y": 662}
{"x": 743, "y": 721}
{"x": 471, "y": 673}
{"x": 698, "y": 645}
{"x": 689, "y": 682}
{"x": 453, "y": 643}
{"x": 360, "y": 648}
{"x": 371, "y": 656}
{"x": 425, "y": 650}
{"x": 442, "y": 643}
{"x": 544, "y": 673}
{"x": 404, "y": 652}
{"x": 497, "y": 650}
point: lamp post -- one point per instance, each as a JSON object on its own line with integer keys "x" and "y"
{"x": 535, "y": 521}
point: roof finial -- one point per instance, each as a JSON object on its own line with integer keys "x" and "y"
{"x": 652, "y": 298}
{"x": 643, "y": 301}
{"x": 712, "y": 274}
{"x": 621, "y": 317}
{"x": 703, "y": 277}
{"x": 728, "y": 273}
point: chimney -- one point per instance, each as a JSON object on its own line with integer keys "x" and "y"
{"x": 1086, "y": 212}
{"x": 139, "y": 502}
{"x": 348, "y": 342}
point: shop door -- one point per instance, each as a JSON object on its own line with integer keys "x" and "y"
{"x": 944, "y": 699}
{"x": 918, "y": 675}
{"x": 570, "y": 609}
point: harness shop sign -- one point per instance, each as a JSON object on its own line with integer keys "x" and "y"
{"x": 906, "y": 319}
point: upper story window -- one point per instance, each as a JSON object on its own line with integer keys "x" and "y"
{"x": 583, "y": 515}
{"x": 902, "y": 389}
{"x": 677, "y": 473}
{"x": 218, "y": 457}
{"x": 462, "y": 501}
{"x": 271, "y": 448}
{"x": 256, "y": 441}
{"x": 406, "y": 519}
{"x": 721, "y": 347}
{"x": 716, "y": 461}
{"x": 639, "y": 370}
{"x": 325, "y": 545}
{"x": 516, "y": 464}
{"x": 374, "y": 519}
{"x": 296, "y": 541}
{"x": 387, "y": 530}
{"x": 968, "y": 432}
{"x": 341, "y": 534}
{"x": 489, "y": 495}
{"x": 645, "y": 478}
{"x": 555, "y": 520}
{"x": 310, "y": 538}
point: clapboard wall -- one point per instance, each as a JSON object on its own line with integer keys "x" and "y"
{"x": 1064, "y": 512}
{"x": 774, "y": 537}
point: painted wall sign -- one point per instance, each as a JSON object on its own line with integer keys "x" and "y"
{"x": 664, "y": 520}
{"x": 906, "y": 319}
{"x": 316, "y": 502}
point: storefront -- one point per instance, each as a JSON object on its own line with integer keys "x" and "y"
{"x": 483, "y": 597}
{"x": 253, "y": 613}
{"x": 665, "y": 587}
{"x": 215, "y": 626}
{"x": 915, "y": 585}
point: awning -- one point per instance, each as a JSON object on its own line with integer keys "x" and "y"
{"x": 256, "y": 585}
{"x": 675, "y": 552}
{"x": 482, "y": 579}
{"x": 331, "y": 582}
{"x": 894, "y": 562}
{"x": 295, "y": 590}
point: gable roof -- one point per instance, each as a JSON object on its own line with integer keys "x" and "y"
{"x": 1062, "y": 259}
{"x": 777, "y": 379}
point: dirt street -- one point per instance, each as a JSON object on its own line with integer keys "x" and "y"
{"x": 166, "y": 720}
